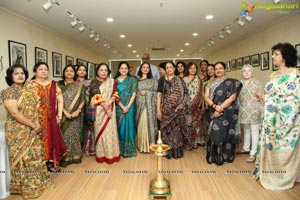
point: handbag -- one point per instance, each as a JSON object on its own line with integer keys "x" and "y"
{"x": 90, "y": 114}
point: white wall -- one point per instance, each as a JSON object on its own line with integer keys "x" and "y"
{"x": 20, "y": 30}
{"x": 287, "y": 30}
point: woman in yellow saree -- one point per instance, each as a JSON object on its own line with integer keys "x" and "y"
{"x": 29, "y": 175}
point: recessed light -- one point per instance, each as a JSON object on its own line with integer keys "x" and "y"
{"x": 109, "y": 19}
{"x": 187, "y": 44}
{"x": 122, "y": 36}
{"x": 138, "y": 56}
{"x": 209, "y": 17}
{"x": 134, "y": 51}
{"x": 129, "y": 45}
{"x": 181, "y": 50}
{"x": 195, "y": 34}
{"x": 178, "y": 55}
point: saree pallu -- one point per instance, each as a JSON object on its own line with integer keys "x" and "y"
{"x": 194, "y": 87}
{"x": 51, "y": 137}
{"x": 73, "y": 95}
{"x": 146, "y": 114}
{"x": 29, "y": 175}
{"x": 106, "y": 134}
{"x": 278, "y": 156}
{"x": 126, "y": 122}
{"x": 176, "y": 117}
{"x": 223, "y": 139}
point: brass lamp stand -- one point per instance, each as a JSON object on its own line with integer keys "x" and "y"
{"x": 159, "y": 187}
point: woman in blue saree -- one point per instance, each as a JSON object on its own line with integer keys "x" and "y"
{"x": 220, "y": 96}
{"x": 126, "y": 108}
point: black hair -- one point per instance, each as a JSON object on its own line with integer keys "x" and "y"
{"x": 120, "y": 64}
{"x": 98, "y": 67}
{"x": 86, "y": 69}
{"x": 188, "y": 67}
{"x": 221, "y": 63}
{"x": 202, "y": 61}
{"x": 10, "y": 71}
{"x": 289, "y": 53}
{"x": 163, "y": 65}
{"x": 140, "y": 74}
{"x": 73, "y": 67}
{"x": 36, "y": 66}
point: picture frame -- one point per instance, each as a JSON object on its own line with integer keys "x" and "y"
{"x": 246, "y": 60}
{"x": 57, "y": 64}
{"x": 297, "y": 47}
{"x": 81, "y": 62}
{"x": 41, "y": 55}
{"x": 239, "y": 63}
{"x": 69, "y": 60}
{"x": 233, "y": 65}
{"x": 264, "y": 58}
{"x": 17, "y": 53}
{"x": 227, "y": 66}
{"x": 91, "y": 70}
{"x": 274, "y": 68}
{"x": 255, "y": 60}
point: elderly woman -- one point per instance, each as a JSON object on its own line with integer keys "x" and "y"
{"x": 278, "y": 156}
{"x": 221, "y": 96}
{"x": 103, "y": 91}
{"x": 29, "y": 175}
{"x": 174, "y": 113}
{"x": 249, "y": 111}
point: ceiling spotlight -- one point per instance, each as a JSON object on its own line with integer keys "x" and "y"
{"x": 74, "y": 23}
{"x": 248, "y": 17}
{"x": 241, "y": 23}
{"x": 181, "y": 50}
{"x": 122, "y": 36}
{"x": 81, "y": 28}
{"x": 178, "y": 55}
{"x": 208, "y": 44}
{"x": 209, "y": 17}
{"x": 221, "y": 35}
{"x": 227, "y": 30}
{"x": 109, "y": 19}
{"x": 48, "y": 5}
{"x": 195, "y": 34}
{"x": 212, "y": 42}
{"x": 97, "y": 38}
{"x": 129, "y": 45}
{"x": 133, "y": 51}
{"x": 187, "y": 44}
{"x": 92, "y": 35}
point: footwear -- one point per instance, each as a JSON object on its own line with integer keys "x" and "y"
{"x": 243, "y": 151}
{"x": 251, "y": 159}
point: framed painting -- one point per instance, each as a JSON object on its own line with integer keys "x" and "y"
{"x": 69, "y": 60}
{"x": 246, "y": 60}
{"x": 81, "y": 62}
{"x": 91, "y": 70}
{"x": 264, "y": 58}
{"x": 41, "y": 55}
{"x": 255, "y": 60}
{"x": 57, "y": 64}
{"x": 227, "y": 66}
{"x": 297, "y": 47}
{"x": 17, "y": 53}
{"x": 239, "y": 63}
{"x": 233, "y": 65}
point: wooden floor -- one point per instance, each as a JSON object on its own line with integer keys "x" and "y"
{"x": 190, "y": 178}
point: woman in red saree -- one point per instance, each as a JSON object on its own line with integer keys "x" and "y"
{"x": 50, "y": 115}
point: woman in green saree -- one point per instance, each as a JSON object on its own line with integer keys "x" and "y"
{"x": 71, "y": 123}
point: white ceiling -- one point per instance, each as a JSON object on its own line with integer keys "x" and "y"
{"x": 148, "y": 24}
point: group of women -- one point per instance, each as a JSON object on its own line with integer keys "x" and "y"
{"x": 52, "y": 124}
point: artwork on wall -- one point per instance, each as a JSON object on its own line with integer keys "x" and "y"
{"x": 239, "y": 63}
{"x": 91, "y": 70}
{"x": 17, "y": 53}
{"x": 41, "y": 55}
{"x": 297, "y": 47}
{"x": 255, "y": 60}
{"x": 233, "y": 65}
{"x": 227, "y": 66}
{"x": 81, "y": 62}
{"x": 69, "y": 60}
{"x": 246, "y": 60}
{"x": 264, "y": 58}
{"x": 57, "y": 64}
